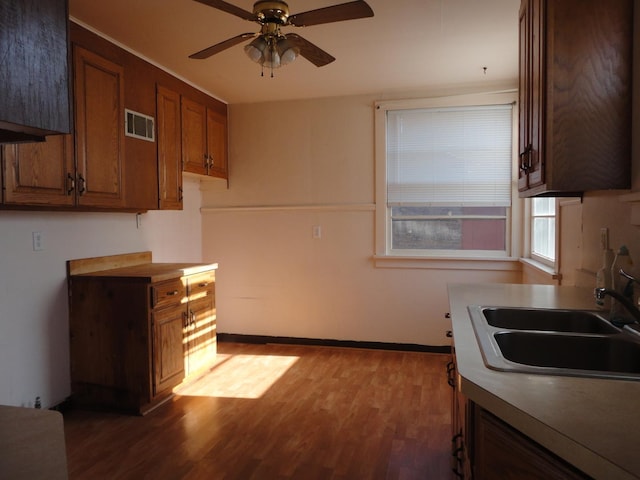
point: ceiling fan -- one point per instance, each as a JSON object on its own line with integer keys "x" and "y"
{"x": 271, "y": 48}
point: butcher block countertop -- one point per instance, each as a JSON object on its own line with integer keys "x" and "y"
{"x": 135, "y": 266}
{"x": 592, "y": 423}
{"x": 154, "y": 272}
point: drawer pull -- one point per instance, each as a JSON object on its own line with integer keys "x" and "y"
{"x": 171, "y": 294}
{"x": 203, "y": 284}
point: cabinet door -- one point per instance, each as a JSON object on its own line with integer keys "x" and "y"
{"x": 39, "y": 173}
{"x": 505, "y": 453}
{"x": 194, "y": 137}
{"x": 217, "y": 144}
{"x": 99, "y": 109}
{"x": 531, "y": 94}
{"x": 169, "y": 325}
{"x": 536, "y": 174}
{"x": 169, "y": 149}
{"x": 201, "y": 334}
{"x": 524, "y": 94}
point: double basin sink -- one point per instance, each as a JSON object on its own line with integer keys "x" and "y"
{"x": 555, "y": 342}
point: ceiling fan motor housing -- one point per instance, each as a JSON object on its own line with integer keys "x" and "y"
{"x": 271, "y": 12}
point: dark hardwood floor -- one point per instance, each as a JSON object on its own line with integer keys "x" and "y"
{"x": 281, "y": 412}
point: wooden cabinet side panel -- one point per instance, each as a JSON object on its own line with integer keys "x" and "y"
{"x": 110, "y": 342}
{"x": 589, "y": 88}
{"x": 169, "y": 149}
{"x": 99, "y": 106}
{"x": 34, "y": 78}
{"x": 39, "y": 173}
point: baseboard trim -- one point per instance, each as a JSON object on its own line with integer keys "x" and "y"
{"x": 264, "y": 339}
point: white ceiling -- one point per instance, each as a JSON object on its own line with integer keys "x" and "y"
{"x": 409, "y": 45}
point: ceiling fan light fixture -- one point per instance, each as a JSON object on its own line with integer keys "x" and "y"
{"x": 271, "y": 57}
{"x": 288, "y": 51}
{"x": 255, "y": 50}
{"x": 272, "y": 49}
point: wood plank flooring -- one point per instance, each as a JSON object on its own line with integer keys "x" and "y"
{"x": 281, "y": 412}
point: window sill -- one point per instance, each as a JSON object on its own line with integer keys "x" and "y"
{"x": 540, "y": 271}
{"x": 447, "y": 263}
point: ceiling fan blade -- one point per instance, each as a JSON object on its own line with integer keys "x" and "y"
{"x": 232, "y": 9}
{"x": 335, "y": 13}
{"x": 308, "y": 50}
{"x": 218, "y": 47}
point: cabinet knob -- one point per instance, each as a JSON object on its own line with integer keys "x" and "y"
{"x": 171, "y": 294}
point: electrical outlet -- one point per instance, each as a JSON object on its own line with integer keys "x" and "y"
{"x": 37, "y": 241}
{"x": 138, "y": 220}
{"x": 317, "y": 232}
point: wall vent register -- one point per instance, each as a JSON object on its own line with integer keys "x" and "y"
{"x": 138, "y": 125}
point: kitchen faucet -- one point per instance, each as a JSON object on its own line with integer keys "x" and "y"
{"x": 625, "y": 299}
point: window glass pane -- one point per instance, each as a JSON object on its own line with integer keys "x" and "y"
{"x": 544, "y": 237}
{"x": 449, "y": 228}
{"x": 544, "y": 206}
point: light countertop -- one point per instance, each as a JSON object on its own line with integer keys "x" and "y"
{"x": 592, "y": 423}
{"x": 153, "y": 272}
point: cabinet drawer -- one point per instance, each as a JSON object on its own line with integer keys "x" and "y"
{"x": 201, "y": 285}
{"x": 167, "y": 293}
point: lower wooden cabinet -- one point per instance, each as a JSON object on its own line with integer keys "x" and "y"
{"x": 138, "y": 330}
{"x": 484, "y": 447}
{"x": 502, "y": 452}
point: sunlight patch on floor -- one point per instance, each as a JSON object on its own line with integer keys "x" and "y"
{"x": 239, "y": 376}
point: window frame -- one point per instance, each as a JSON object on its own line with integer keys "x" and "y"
{"x": 382, "y": 220}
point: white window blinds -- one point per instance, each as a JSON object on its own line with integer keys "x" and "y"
{"x": 457, "y": 156}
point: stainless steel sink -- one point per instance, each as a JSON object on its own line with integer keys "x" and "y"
{"x": 601, "y": 353}
{"x": 555, "y": 342}
{"x": 577, "y": 321}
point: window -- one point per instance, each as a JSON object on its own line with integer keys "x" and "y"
{"x": 543, "y": 230}
{"x": 446, "y": 177}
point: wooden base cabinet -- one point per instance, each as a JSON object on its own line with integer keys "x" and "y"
{"x": 502, "y": 452}
{"x": 138, "y": 330}
{"x": 483, "y": 447}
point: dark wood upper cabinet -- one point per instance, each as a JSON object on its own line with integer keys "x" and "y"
{"x": 34, "y": 78}
{"x": 575, "y": 96}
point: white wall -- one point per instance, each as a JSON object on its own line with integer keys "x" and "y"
{"x": 34, "y": 346}
{"x": 294, "y": 165}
